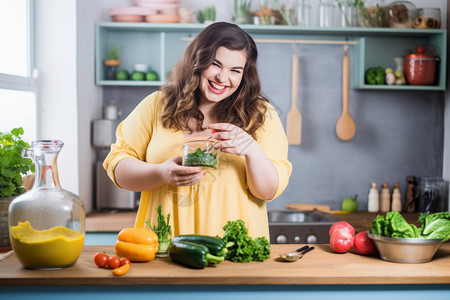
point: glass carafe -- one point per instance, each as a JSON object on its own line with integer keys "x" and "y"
{"x": 47, "y": 223}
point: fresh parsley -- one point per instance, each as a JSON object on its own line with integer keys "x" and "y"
{"x": 241, "y": 247}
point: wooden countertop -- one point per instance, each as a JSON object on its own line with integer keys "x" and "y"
{"x": 318, "y": 267}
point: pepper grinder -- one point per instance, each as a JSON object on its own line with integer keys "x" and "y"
{"x": 385, "y": 201}
{"x": 411, "y": 194}
{"x": 373, "y": 204}
{"x": 396, "y": 198}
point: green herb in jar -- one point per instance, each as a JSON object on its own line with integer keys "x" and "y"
{"x": 201, "y": 158}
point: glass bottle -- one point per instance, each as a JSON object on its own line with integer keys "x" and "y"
{"x": 47, "y": 223}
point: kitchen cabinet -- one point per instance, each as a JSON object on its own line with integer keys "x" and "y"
{"x": 161, "y": 46}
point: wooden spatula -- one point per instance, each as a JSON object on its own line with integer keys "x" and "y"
{"x": 345, "y": 126}
{"x": 294, "y": 117}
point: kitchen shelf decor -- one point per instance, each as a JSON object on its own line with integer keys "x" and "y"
{"x": 161, "y": 46}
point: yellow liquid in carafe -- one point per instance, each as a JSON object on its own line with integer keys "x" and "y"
{"x": 56, "y": 247}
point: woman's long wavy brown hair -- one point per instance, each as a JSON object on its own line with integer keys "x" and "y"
{"x": 245, "y": 108}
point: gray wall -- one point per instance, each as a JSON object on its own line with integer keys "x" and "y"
{"x": 398, "y": 133}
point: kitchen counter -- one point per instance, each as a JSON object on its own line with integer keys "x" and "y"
{"x": 114, "y": 222}
{"x": 319, "y": 267}
{"x": 320, "y": 274}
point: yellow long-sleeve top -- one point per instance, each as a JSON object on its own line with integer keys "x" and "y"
{"x": 222, "y": 195}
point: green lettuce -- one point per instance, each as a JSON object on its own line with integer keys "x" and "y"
{"x": 433, "y": 226}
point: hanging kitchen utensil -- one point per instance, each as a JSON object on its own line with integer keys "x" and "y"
{"x": 345, "y": 126}
{"x": 294, "y": 117}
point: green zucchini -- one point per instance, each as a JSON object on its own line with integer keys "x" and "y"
{"x": 215, "y": 245}
{"x": 192, "y": 255}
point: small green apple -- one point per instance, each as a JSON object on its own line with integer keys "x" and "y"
{"x": 122, "y": 75}
{"x": 152, "y": 76}
{"x": 137, "y": 75}
{"x": 350, "y": 204}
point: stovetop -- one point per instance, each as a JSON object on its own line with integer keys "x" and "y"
{"x": 299, "y": 227}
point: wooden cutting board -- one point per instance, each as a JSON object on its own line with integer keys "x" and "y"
{"x": 310, "y": 207}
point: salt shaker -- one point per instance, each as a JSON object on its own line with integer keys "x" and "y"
{"x": 385, "y": 198}
{"x": 373, "y": 204}
{"x": 396, "y": 198}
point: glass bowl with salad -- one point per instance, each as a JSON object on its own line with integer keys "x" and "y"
{"x": 200, "y": 153}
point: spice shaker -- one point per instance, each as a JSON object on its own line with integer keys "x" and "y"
{"x": 373, "y": 204}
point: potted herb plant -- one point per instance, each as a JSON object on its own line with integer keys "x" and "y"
{"x": 112, "y": 63}
{"x": 164, "y": 232}
{"x": 12, "y": 167}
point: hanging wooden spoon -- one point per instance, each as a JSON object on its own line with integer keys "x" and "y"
{"x": 345, "y": 126}
{"x": 294, "y": 117}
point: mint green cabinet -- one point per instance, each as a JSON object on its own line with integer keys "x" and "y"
{"x": 161, "y": 46}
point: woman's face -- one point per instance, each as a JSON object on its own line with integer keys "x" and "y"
{"x": 223, "y": 76}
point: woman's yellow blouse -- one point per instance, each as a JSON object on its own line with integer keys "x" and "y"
{"x": 221, "y": 196}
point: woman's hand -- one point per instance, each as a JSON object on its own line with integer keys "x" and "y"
{"x": 136, "y": 175}
{"x": 174, "y": 173}
{"x": 232, "y": 139}
{"x": 262, "y": 176}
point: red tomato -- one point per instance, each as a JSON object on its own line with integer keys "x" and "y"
{"x": 341, "y": 241}
{"x": 100, "y": 259}
{"x": 113, "y": 262}
{"x": 124, "y": 261}
{"x": 342, "y": 225}
{"x": 364, "y": 245}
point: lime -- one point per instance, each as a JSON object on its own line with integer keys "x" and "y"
{"x": 350, "y": 204}
{"x": 122, "y": 75}
{"x": 137, "y": 75}
{"x": 152, "y": 76}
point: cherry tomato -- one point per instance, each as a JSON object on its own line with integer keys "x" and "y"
{"x": 121, "y": 270}
{"x": 124, "y": 261}
{"x": 113, "y": 262}
{"x": 101, "y": 259}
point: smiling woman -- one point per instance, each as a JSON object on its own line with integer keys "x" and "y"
{"x": 214, "y": 92}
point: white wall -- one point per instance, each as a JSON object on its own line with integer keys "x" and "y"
{"x": 56, "y": 53}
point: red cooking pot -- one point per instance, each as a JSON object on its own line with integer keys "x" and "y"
{"x": 420, "y": 67}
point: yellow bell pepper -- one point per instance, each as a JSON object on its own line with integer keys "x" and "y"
{"x": 137, "y": 244}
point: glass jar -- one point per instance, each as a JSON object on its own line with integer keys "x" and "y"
{"x": 428, "y": 18}
{"x": 433, "y": 195}
{"x": 327, "y": 12}
{"x": 46, "y": 224}
{"x": 372, "y": 14}
{"x": 304, "y": 9}
{"x": 401, "y": 14}
{"x": 347, "y": 14}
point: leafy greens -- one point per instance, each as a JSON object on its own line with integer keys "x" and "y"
{"x": 433, "y": 226}
{"x": 200, "y": 158}
{"x": 241, "y": 247}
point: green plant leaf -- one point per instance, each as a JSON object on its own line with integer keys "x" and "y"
{"x": 12, "y": 165}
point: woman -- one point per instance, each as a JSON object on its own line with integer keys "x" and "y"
{"x": 214, "y": 91}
